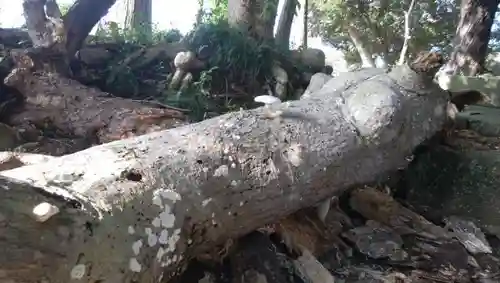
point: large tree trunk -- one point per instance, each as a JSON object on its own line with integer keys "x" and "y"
{"x": 304, "y": 23}
{"x": 472, "y": 36}
{"x": 135, "y": 210}
{"x": 139, "y": 17}
{"x": 285, "y": 22}
{"x": 255, "y": 16}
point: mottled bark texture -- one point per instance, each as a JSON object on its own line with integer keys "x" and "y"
{"x": 472, "y": 36}
{"x": 135, "y": 210}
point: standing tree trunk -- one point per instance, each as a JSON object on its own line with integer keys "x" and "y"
{"x": 255, "y": 16}
{"x": 306, "y": 19}
{"x": 285, "y": 22}
{"x": 472, "y": 36}
{"x": 138, "y": 17}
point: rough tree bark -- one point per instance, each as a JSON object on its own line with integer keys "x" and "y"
{"x": 472, "y": 36}
{"x": 135, "y": 210}
{"x": 285, "y": 22}
{"x": 139, "y": 16}
{"x": 255, "y": 16}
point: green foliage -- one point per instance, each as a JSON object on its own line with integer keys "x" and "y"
{"x": 381, "y": 24}
{"x": 111, "y": 32}
{"x": 217, "y": 12}
{"x": 239, "y": 59}
{"x": 64, "y": 8}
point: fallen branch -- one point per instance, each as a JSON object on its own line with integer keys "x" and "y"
{"x": 135, "y": 210}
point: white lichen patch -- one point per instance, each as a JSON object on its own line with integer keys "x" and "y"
{"x": 222, "y": 171}
{"x": 136, "y": 247}
{"x": 43, "y": 211}
{"x": 294, "y": 154}
{"x": 78, "y": 271}
{"x": 163, "y": 239}
{"x": 170, "y": 195}
{"x": 172, "y": 241}
{"x": 131, "y": 230}
{"x": 159, "y": 255}
{"x": 206, "y": 201}
{"x": 134, "y": 265}
{"x": 156, "y": 222}
{"x": 157, "y": 199}
{"x": 167, "y": 218}
{"x": 152, "y": 239}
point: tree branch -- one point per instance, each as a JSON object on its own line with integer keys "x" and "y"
{"x": 407, "y": 36}
{"x": 82, "y": 16}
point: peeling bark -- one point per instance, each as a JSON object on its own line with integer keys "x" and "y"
{"x": 134, "y": 210}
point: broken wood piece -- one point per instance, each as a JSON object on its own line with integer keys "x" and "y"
{"x": 381, "y": 207}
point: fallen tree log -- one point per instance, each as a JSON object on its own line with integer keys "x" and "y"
{"x": 74, "y": 110}
{"x": 135, "y": 210}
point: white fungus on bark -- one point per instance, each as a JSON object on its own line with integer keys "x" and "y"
{"x": 134, "y": 265}
{"x": 267, "y": 99}
{"x": 44, "y": 211}
{"x": 78, "y": 271}
{"x": 136, "y": 247}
